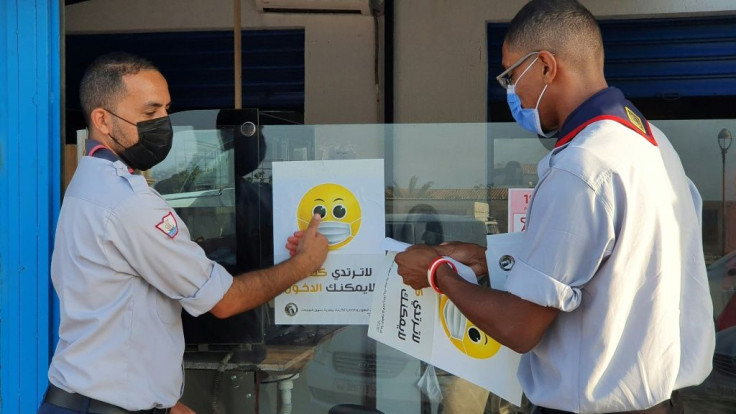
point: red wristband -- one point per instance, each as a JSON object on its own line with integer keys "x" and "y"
{"x": 432, "y": 271}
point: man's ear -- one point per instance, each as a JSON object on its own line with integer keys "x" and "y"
{"x": 549, "y": 63}
{"x": 100, "y": 121}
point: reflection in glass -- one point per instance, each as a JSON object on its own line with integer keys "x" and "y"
{"x": 197, "y": 180}
{"x": 444, "y": 182}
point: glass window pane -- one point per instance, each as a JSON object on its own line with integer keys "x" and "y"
{"x": 443, "y": 182}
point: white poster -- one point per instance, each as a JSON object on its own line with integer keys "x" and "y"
{"x": 349, "y": 195}
{"x": 428, "y": 326}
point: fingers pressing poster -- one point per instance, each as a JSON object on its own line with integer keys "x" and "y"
{"x": 349, "y": 195}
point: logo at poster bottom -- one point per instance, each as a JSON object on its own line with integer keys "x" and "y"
{"x": 291, "y": 309}
{"x": 465, "y": 336}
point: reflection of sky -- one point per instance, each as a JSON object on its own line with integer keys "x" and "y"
{"x": 696, "y": 141}
{"x": 195, "y": 134}
{"x": 349, "y": 141}
{"x": 187, "y": 144}
{"x": 511, "y": 143}
{"x": 450, "y": 155}
{"x": 192, "y": 147}
{"x": 278, "y": 137}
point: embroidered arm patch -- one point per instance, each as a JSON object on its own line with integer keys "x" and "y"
{"x": 168, "y": 225}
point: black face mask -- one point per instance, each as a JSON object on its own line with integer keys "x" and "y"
{"x": 154, "y": 143}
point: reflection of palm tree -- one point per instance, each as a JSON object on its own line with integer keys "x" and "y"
{"x": 412, "y": 191}
{"x": 189, "y": 180}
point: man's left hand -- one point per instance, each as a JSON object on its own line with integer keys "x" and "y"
{"x": 413, "y": 265}
{"x": 180, "y": 408}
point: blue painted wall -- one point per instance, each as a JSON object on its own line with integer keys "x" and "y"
{"x": 30, "y": 182}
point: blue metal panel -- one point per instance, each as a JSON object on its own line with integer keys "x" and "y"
{"x": 651, "y": 58}
{"x": 672, "y": 57}
{"x": 199, "y": 65}
{"x": 30, "y": 181}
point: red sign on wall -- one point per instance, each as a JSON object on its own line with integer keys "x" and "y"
{"x": 518, "y": 204}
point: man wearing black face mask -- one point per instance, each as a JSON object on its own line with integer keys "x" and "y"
{"x": 124, "y": 265}
{"x": 154, "y": 143}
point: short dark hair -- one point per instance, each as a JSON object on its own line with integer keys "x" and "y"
{"x": 102, "y": 83}
{"x": 564, "y": 27}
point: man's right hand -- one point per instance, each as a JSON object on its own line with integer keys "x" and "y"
{"x": 468, "y": 254}
{"x": 256, "y": 287}
{"x": 311, "y": 246}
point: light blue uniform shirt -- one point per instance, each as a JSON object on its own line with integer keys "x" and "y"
{"x": 614, "y": 241}
{"x": 124, "y": 267}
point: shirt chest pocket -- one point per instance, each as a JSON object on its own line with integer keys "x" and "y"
{"x": 168, "y": 310}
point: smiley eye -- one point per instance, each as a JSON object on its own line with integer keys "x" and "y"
{"x": 474, "y": 334}
{"x": 339, "y": 211}
{"x": 320, "y": 209}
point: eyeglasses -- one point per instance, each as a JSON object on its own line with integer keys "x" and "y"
{"x": 504, "y": 79}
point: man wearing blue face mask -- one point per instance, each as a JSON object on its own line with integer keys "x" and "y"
{"x": 608, "y": 299}
{"x": 124, "y": 265}
{"x": 528, "y": 118}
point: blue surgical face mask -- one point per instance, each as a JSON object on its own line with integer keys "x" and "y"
{"x": 528, "y": 118}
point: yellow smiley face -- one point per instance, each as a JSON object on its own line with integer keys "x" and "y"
{"x": 466, "y": 337}
{"x": 339, "y": 209}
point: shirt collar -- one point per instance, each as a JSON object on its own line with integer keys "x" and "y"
{"x": 609, "y": 104}
{"x": 95, "y": 149}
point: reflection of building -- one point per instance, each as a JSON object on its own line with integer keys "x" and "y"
{"x": 462, "y": 202}
{"x": 712, "y": 222}
{"x": 730, "y": 226}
